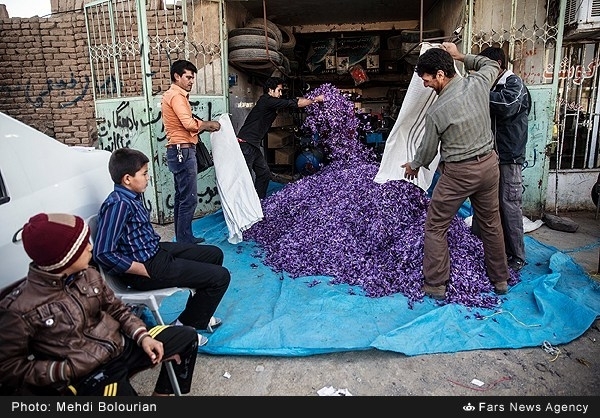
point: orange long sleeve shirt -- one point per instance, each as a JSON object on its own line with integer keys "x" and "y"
{"x": 180, "y": 125}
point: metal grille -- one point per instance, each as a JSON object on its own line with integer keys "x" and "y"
{"x": 171, "y": 30}
{"x": 188, "y": 30}
{"x": 527, "y": 29}
{"x": 578, "y": 108}
{"x": 114, "y": 48}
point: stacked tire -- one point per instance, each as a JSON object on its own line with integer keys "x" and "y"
{"x": 257, "y": 46}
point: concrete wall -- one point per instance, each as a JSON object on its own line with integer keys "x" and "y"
{"x": 574, "y": 190}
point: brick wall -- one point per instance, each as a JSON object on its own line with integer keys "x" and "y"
{"x": 45, "y": 78}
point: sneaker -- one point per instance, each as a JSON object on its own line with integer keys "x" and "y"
{"x": 516, "y": 264}
{"x": 202, "y": 340}
{"x": 213, "y": 324}
{"x": 500, "y": 287}
{"x": 435, "y": 292}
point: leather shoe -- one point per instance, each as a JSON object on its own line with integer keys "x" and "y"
{"x": 516, "y": 264}
{"x": 501, "y": 288}
{"x": 435, "y": 292}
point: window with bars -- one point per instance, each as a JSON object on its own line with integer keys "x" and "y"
{"x": 578, "y": 109}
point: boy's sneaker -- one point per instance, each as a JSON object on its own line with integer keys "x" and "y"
{"x": 202, "y": 340}
{"x": 213, "y": 324}
{"x": 435, "y": 292}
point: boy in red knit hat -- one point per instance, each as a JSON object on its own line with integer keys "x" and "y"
{"x": 64, "y": 331}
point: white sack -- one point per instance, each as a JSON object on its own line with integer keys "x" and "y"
{"x": 239, "y": 200}
{"x": 407, "y": 133}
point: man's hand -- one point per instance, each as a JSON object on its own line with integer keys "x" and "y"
{"x": 319, "y": 99}
{"x": 452, "y": 49}
{"x": 210, "y": 126}
{"x": 154, "y": 349}
{"x": 409, "y": 173}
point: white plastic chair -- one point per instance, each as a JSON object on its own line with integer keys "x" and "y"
{"x": 150, "y": 298}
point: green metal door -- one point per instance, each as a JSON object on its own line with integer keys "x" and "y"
{"x": 131, "y": 46}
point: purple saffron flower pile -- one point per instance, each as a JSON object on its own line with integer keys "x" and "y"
{"x": 339, "y": 223}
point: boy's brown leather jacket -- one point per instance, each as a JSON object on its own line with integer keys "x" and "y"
{"x": 53, "y": 327}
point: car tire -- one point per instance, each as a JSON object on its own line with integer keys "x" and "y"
{"x": 255, "y": 59}
{"x": 250, "y": 31}
{"x": 270, "y": 28}
{"x": 251, "y": 41}
{"x": 288, "y": 43}
{"x": 411, "y": 38}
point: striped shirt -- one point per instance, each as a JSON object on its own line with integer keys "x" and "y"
{"x": 125, "y": 233}
{"x": 180, "y": 125}
{"x": 458, "y": 122}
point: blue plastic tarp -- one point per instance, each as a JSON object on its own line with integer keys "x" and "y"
{"x": 268, "y": 313}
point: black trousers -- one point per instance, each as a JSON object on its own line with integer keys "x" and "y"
{"x": 257, "y": 164}
{"x": 112, "y": 379}
{"x": 198, "y": 267}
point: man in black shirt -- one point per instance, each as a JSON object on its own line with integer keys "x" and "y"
{"x": 256, "y": 126}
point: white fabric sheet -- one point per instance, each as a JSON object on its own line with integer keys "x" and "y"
{"x": 407, "y": 133}
{"x": 239, "y": 200}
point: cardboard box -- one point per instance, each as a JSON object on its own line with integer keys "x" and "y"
{"x": 279, "y": 138}
{"x": 284, "y": 118}
{"x": 285, "y": 155}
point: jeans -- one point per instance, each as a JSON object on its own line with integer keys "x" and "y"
{"x": 186, "y": 190}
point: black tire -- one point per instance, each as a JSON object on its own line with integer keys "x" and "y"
{"x": 413, "y": 36}
{"x": 410, "y": 40}
{"x": 251, "y": 41}
{"x": 289, "y": 41}
{"x": 250, "y": 31}
{"x": 271, "y": 27}
{"x": 255, "y": 59}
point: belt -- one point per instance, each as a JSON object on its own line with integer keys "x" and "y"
{"x": 184, "y": 145}
{"x": 476, "y": 158}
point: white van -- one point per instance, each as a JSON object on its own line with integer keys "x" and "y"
{"x": 40, "y": 174}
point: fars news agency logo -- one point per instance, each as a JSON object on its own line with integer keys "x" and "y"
{"x": 468, "y": 407}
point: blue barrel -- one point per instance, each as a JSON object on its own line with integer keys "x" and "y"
{"x": 309, "y": 161}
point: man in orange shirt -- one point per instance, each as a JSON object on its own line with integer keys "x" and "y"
{"x": 182, "y": 131}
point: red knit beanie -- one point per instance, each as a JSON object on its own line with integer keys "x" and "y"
{"x": 54, "y": 241}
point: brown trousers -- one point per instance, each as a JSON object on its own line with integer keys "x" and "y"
{"x": 478, "y": 181}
